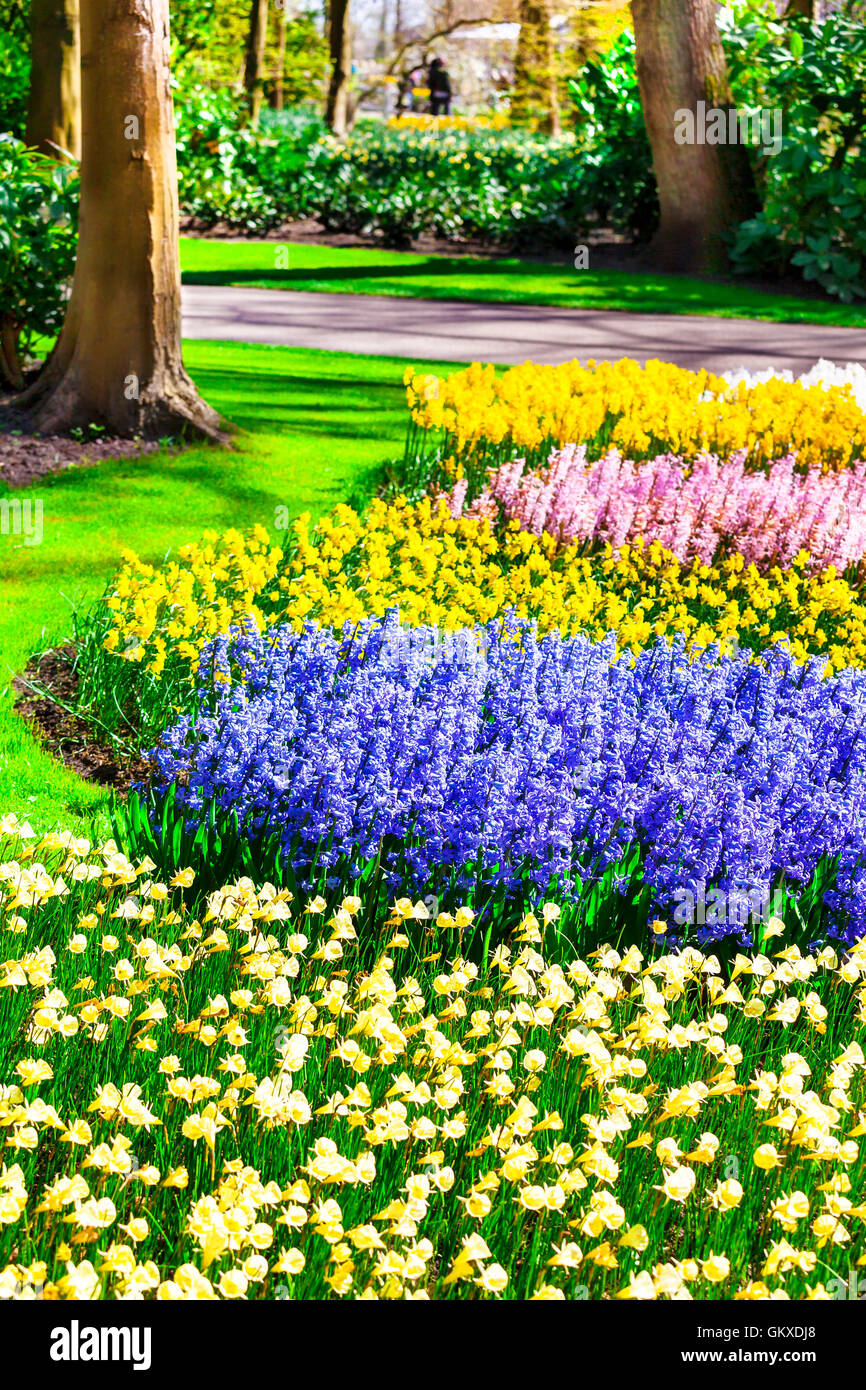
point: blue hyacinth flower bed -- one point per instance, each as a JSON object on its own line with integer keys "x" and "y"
{"x": 530, "y": 765}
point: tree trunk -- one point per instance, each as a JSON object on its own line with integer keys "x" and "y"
{"x": 117, "y": 362}
{"x": 536, "y": 96}
{"x": 553, "y": 124}
{"x": 54, "y": 107}
{"x": 381, "y": 52}
{"x": 806, "y": 8}
{"x": 281, "y": 62}
{"x": 10, "y": 361}
{"x": 339, "y": 39}
{"x": 704, "y": 189}
{"x": 257, "y": 35}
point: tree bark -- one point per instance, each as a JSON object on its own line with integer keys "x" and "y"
{"x": 806, "y": 8}
{"x": 254, "y": 62}
{"x": 10, "y": 362}
{"x": 553, "y": 124}
{"x": 536, "y": 94}
{"x": 279, "y": 79}
{"x": 339, "y": 40}
{"x": 117, "y": 362}
{"x": 54, "y": 106}
{"x": 704, "y": 189}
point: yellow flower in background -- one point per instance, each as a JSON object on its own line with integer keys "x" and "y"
{"x": 435, "y": 125}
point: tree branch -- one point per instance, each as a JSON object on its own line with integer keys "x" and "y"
{"x": 404, "y": 48}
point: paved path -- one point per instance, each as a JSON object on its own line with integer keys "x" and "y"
{"x": 461, "y": 332}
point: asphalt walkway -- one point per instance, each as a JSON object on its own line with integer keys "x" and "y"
{"x": 455, "y": 331}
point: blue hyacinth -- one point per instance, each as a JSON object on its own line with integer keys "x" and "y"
{"x": 505, "y": 753}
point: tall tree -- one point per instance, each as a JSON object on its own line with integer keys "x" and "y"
{"x": 536, "y": 89}
{"x": 280, "y": 69}
{"x": 339, "y": 41}
{"x": 117, "y": 361}
{"x": 54, "y": 107}
{"x": 704, "y": 189}
{"x": 254, "y": 62}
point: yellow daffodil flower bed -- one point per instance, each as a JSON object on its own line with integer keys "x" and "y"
{"x": 226, "y": 1099}
{"x": 178, "y": 606}
{"x": 642, "y": 411}
{"x": 434, "y": 125}
{"x": 455, "y": 573}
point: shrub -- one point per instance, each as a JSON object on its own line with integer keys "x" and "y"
{"x": 396, "y": 182}
{"x": 14, "y": 78}
{"x": 38, "y": 218}
{"x": 498, "y": 185}
{"x": 617, "y": 174}
{"x": 814, "y": 189}
{"x": 230, "y": 172}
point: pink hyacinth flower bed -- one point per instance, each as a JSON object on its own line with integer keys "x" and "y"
{"x": 697, "y": 508}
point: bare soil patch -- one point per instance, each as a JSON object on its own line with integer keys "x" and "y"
{"x": 66, "y": 735}
{"x": 26, "y": 457}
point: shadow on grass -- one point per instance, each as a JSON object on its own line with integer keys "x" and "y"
{"x": 624, "y": 282}
{"x": 277, "y": 457}
{"x": 432, "y": 265}
{"x": 614, "y": 290}
{"x": 539, "y": 284}
{"x": 247, "y": 396}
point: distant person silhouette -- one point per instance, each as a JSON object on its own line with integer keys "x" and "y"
{"x": 416, "y": 78}
{"x": 440, "y": 88}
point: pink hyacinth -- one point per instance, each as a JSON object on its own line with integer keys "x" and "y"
{"x": 699, "y": 508}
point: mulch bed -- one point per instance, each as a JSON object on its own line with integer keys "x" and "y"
{"x": 25, "y": 457}
{"x": 68, "y": 737}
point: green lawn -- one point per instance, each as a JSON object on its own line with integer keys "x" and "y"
{"x": 358, "y": 270}
{"x": 315, "y": 426}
